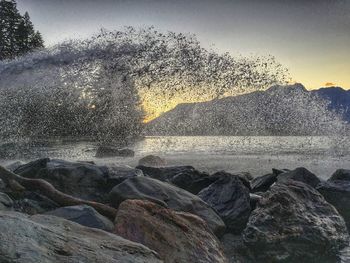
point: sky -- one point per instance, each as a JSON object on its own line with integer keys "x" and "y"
{"x": 310, "y": 37}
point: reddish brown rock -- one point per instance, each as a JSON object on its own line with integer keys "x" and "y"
{"x": 176, "y": 236}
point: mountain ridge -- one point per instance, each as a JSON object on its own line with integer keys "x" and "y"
{"x": 279, "y": 110}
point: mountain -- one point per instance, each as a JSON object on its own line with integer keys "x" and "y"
{"x": 339, "y": 100}
{"x": 280, "y": 110}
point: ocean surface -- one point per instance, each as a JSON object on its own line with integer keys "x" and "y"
{"x": 253, "y": 154}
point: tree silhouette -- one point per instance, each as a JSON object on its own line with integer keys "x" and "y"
{"x": 17, "y": 34}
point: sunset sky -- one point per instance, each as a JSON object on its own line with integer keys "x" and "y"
{"x": 310, "y": 37}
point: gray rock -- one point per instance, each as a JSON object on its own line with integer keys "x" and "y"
{"x": 13, "y": 166}
{"x": 230, "y": 198}
{"x": 337, "y": 193}
{"x": 340, "y": 174}
{"x": 166, "y": 195}
{"x": 294, "y": 223}
{"x": 33, "y": 203}
{"x": 43, "y": 238}
{"x": 108, "y": 151}
{"x": 235, "y": 249}
{"x": 6, "y": 202}
{"x": 152, "y": 161}
{"x": 185, "y": 177}
{"x": 84, "y": 215}
{"x": 300, "y": 174}
{"x": 80, "y": 179}
{"x": 263, "y": 183}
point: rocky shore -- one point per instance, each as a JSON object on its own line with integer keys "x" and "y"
{"x": 59, "y": 211}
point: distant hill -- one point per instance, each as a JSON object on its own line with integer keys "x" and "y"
{"x": 280, "y": 110}
{"x": 339, "y": 100}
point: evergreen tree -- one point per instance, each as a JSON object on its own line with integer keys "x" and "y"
{"x": 9, "y": 21}
{"x": 17, "y": 34}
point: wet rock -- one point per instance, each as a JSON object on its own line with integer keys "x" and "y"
{"x": 263, "y": 183}
{"x": 300, "y": 174}
{"x": 230, "y": 198}
{"x": 340, "y": 174}
{"x": 254, "y": 199}
{"x": 33, "y": 203}
{"x": 13, "y": 166}
{"x": 337, "y": 193}
{"x": 84, "y": 215}
{"x": 185, "y": 177}
{"x": 165, "y": 194}
{"x": 152, "y": 161}
{"x": 6, "y": 202}
{"x": 43, "y": 238}
{"x": 294, "y": 223}
{"x": 108, "y": 151}
{"x": 176, "y": 236}
{"x": 80, "y": 179}
{"x": 235, "y": 249}
{"x": 279, "y": 171}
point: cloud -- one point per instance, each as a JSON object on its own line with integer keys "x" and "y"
{"x": 329, "y": 84}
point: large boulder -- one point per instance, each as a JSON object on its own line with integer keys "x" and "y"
{"x": 84, "y": 215}
{"x": 337, "y": 193}
{"x": 175, "y": 236}
{"x": 167, "y": 195}
{"x": 300, "y": 174}
{"x": 340, "y": 174}
{"x": 294, "y": 223}
{"x": 230, "y": 198}
{"x": 108, "y": 151}
{"x": 43, "y": 238}
{"x": 152, "y": 161}
{"x": 80, "y": 179}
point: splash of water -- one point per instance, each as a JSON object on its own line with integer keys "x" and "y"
{"x": 91, "y": 88}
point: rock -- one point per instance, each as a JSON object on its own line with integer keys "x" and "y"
{"x": 162, "y": 193}
{"x": 43, "y": 238}
{"x": 33, "y": 203}
{"x": 175, "y": 236}
{"x": 235, "y": 250}
{"x": 13, "y": 166}
{"x": 84, "y": 215}
{"x": 118, "y": 173}
{"x": 340, "y": 174}
{"x": 152, "y": 161}
{"x": 80, "y": 179}
{"x": 278, "y": 171}
{"x": 2, "y": 186}
{"x": 263, "y": 183}
{"x": 185, "y": 177}
{"x": 230, "y": 198}
{"x": 107, "y": 151}
{"x": 299, "y": 174}
{"x": 6, "y": 202}
{"x": 294, "y": 223}
{"x": 254, "y": 199}
{"x": 246, "y": 175}
{"x": 337, "y": 193}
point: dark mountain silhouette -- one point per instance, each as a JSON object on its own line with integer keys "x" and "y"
{"x": 339, "y": 100}
{"x": 280, "y": 110}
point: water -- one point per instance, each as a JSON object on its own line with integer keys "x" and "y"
{"x": 257, "y": 155}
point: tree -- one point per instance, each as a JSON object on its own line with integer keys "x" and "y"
{"x": 9, "y": 22}
{"x": 17, "y": 34}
